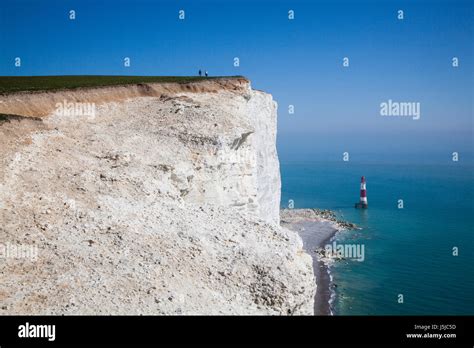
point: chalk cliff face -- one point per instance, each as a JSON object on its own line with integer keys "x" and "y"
{"x": 166, "y": 201}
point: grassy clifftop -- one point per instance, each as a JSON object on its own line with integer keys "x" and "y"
{"x": 12, "y": 84}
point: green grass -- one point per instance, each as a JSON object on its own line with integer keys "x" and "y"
{"x": 12, "y": 84}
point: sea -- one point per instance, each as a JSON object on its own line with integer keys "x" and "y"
{"x": 417, "y": 233}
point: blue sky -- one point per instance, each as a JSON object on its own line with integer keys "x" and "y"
{"x": 299, "y": 61}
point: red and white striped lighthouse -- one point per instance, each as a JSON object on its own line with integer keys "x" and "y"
{"x": 363, "y": 195}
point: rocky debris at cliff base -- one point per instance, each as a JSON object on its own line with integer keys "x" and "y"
{"x": 299, "y": 215}
{"x": 328, "y": 258}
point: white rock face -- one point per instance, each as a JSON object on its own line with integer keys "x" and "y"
{"x": 263, "y": 111}
{"x": 240, "y": 167}
{"x": 157, "y": 205}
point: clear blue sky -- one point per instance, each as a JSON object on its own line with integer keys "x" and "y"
{"x": 299, "y": 62}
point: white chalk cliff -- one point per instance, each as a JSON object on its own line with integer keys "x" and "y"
{"x": 164, "y": 202}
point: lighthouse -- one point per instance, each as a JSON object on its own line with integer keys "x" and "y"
{"x": 363, "y": 195}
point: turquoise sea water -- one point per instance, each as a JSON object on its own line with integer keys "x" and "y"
{"x": 408, "y": 251}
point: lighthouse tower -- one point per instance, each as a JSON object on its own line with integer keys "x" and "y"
{"x": 363, "y": 195}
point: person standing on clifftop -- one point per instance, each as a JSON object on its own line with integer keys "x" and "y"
{"x": 200, "y": 72}
{"x": 206, "y": 73}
